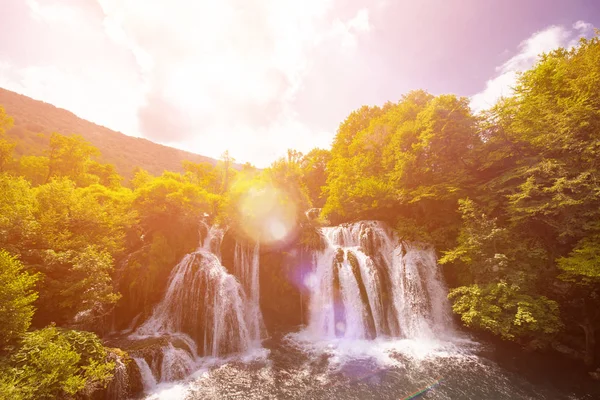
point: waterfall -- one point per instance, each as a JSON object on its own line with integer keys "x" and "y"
{"x": 148, "y": 379}
{"x": 246, "y": 264}
{"x": 368, "y": 284}
{"x": 419, "y": 293}
{"x": 205, "y": 311}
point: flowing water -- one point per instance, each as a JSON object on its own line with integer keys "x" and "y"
{"x": 379, "y": 327}
{"x": 206, "y": 312}
{"x": 367, "y": 284}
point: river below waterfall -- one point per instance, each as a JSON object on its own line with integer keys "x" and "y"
{"x": 290, "y": 368}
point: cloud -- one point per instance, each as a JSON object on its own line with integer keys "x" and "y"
{"x": 63, "y": 58}
{"x": 528, "y": 53}
{"x": 254, "y": 77}
{"x": 223, "y": 75}
{"x": 348, "y": 31}
{"x": 203, "y": 75}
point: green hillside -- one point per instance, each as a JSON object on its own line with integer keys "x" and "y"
{"x": 35, "y": 120}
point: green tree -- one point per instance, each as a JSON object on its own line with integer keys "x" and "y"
{"x": 480, "y": 247}
{"x": 169, "y": 202}
{"x": 506, "y": 311}
{"x": 6, "y": 146}
{"x": 18, "y": 205}
{"x": 203, "y": 174}
{"x": 6, "y": 151}
{"x": 314, "y": 172}
{"x": 61, "y": 225}
{"x": 227, "y": 166}
{"x": 6, "y": 121}
{"x": 53, "y": 363}
{"x": 140, "y": 177}
{"x": 83, "y": 290}
{"x": 106, "y": 173}
{"x": 69, "y": 155}
{"x": 16, "y": 298}
{"x": 542, "y": 174}
{"x": 584, "y": 261}
{"x": 34, "y": 168}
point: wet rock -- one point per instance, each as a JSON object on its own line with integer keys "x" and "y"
{"x": 313, "y": 213}
{"x": 367, "y": 241}
{"x": 368, "y": 313}
{"x": 568, "y": 351}
{"x": 339, "y": 255}
{"x": 126, "y": 381}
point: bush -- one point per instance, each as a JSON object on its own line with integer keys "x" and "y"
{"x": 55, "y": 363}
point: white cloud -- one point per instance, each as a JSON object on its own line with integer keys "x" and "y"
{"x": 202, "y": 75}
{"x": 53, "y": 12}
{"x": 348, "y": 31}
{"x": 228, "y": 70}
{"x": 72, "y": 65}
{"x": 585, "y": 28}
{"x": 530, "y": 49}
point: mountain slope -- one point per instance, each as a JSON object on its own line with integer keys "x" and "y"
{"x": 35, "y": 120}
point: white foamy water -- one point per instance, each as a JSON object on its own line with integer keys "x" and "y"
{"x": 148, "y": 378}
{"x": 368, "y": 284}
{"x": 246, "y": 269}
{"x": 206, "y": 311}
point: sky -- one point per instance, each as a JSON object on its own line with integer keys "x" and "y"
{"x": 256, "y": 77}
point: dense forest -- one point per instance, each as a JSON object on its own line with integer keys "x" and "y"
{"x": 509, "y": 197}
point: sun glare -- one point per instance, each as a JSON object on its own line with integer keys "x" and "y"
{"x": 268, "y": 214}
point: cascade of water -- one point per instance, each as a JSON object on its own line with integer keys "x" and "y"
{"x": 419, "y": 293}
{"x": 205, "y": 310}
{"x": 246, "y": 265}
{"x": 148, "y": 379}
{"x": 176, "y": 363}
{"x": 368, "y": 284}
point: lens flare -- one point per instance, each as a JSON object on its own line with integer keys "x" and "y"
{"x": 268, "y": 214}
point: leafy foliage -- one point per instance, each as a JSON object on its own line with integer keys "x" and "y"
{"x": 54, "y": 363}
{"x": 506, "y": 311}
{"x": 583, "y": 261}
{"x": 16, "y": 299}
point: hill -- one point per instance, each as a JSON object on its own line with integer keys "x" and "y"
{"x": 35, "y": 120}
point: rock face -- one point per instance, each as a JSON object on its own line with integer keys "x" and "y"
{"x": 568, "y": 351}
{"x": 126, "y": 382}
{"x": 313, "y": 213}
{"x": 166, "y": 358}
{"x": 283, "y": 297}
